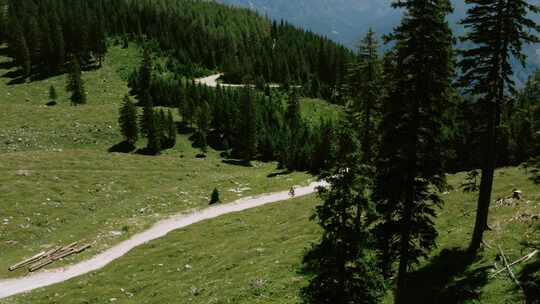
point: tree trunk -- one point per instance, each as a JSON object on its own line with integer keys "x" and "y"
{"x": 404, "y": 252}
{"x": 486, "y": 183}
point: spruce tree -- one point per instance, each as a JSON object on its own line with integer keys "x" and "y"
{"x": 366, "y": 90}
{"x": 154, "y": 136}
{"x": 21, "y": 51}
{"x": 75, "y": 84}
{"x": 248, "y": 125}
{"x": 146, "y": 122}
{"x": 128, "y": 121}
{"x": 409, "y": 168}
{"x": 33, "y": 38}
{"x": 59, "y": 47}
{"x": 214, "y": 199}
{"x": 203, "y": 120}
{"x": 292, "y": 115}
{"x": 498, "y": 29}
{"x": 52, "y": 94}
{"x": 100, "y": 43}
{"x": 142, "y": 89}
{"x": 171, "y": 130}
{"x": 344, "y": 270}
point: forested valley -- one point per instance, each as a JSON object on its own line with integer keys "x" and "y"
{"x": 405, "y": 118}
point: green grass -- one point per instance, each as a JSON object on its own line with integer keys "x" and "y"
{"x": 27, "y": 124}
{"x": 248, "y": 257}
{"x": 59, "y": 184}
{"x": 255, "y": 256}
{"x": 314, "y": 110}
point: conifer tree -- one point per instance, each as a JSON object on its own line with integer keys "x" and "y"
{"x": 409, "y": 165}
{"x": 292, "y": 115}
{"x": 52, "y": 94}
{"x": 248, "y": 125}
{"x": 345, "y": 271}
{"x": 214, "y": 199}
{"x": 154, "y": 136}
{"x": 365, "y": 88}
{"x": 203, "y": 119}
{"x": 59, "y": 47}
{"x": 142, "y": 89}
{"x": 100, "y": 43}
{"x": 33, "y": 38}
{"x": 498, "y": 28}
{"x": 171, "y": 130}
{"x": 3, "y": 26}
{"x": 128, "y": 121}
{"x": 75, "y": 84}
{"x": 146, "y": 121}
{"x": 21, "y": 52}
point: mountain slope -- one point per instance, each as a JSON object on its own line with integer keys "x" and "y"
{"x": 255, "y": 257}
{"x": 347, "y": 20}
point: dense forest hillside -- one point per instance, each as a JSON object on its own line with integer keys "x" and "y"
{"x": 196, "y": 36}
{"x": 347, "y": 20}
{"x": 116, "y": 114}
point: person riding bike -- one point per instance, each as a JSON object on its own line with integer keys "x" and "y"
{"x": 291, "y": 192}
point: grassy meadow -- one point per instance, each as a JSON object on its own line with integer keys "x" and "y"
{"x": 255, "y": 257}
{"x": 58, "y": 183}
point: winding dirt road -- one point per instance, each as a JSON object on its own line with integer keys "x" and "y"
{"x": 212, "y": 81}
{"x": 15, "y": 286}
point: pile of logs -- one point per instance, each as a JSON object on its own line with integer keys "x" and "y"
{"x": 45, "y": 258}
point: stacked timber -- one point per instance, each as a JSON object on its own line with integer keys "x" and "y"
{"x": 45, "y": 258}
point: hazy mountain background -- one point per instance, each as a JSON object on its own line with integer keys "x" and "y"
{"x": 347, "y": 20}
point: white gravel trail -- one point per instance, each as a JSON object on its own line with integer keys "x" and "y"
{"x": 33, "y": 281}
{"x": 212, "y": 81}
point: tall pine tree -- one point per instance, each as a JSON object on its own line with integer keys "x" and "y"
{"x": 409, "y": 166}
{"x": 292, "y": 115}
{"x": 75, "y": 84}
{"x": 128, "y": 121}
{"x": 203, "y": 119}
{"x": 345, "y": 271}
{"x": 248, "y": 126}
{"x": 366, "y": 90}
{"x": 498, "y": 28}
{"x": 142, "y": 86}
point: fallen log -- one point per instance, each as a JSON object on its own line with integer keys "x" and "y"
{"x": 27, "y": 261}
{"x": 82, "y": 248}
{"x": 510, "y": 272}
{"x": 62, "y": 254}
{"x": 69, "y": 246}
{"x": 520, "y": 260}
{"x": 41, "y": 264}
{"x": 69, "y": 250}
{"x": 52, "y": 251}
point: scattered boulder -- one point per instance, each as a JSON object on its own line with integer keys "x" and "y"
{"x": 23, "y": 173}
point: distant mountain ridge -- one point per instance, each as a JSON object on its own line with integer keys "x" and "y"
{"x": 347, "y": 20}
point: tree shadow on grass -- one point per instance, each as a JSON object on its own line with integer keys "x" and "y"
{"x": 530, "y": 282}
{"x": 122, "y": 147}
{"x": 7, "y": 65}
{"x": 450, "y": 278}
{"x": 4, "y": 51}
{"x": 279, "y": 173}
{"x": 238, "y": 162}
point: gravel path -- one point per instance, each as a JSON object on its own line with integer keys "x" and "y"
{"x": 212, "y": 81}
{"x": 33, "y": 281}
